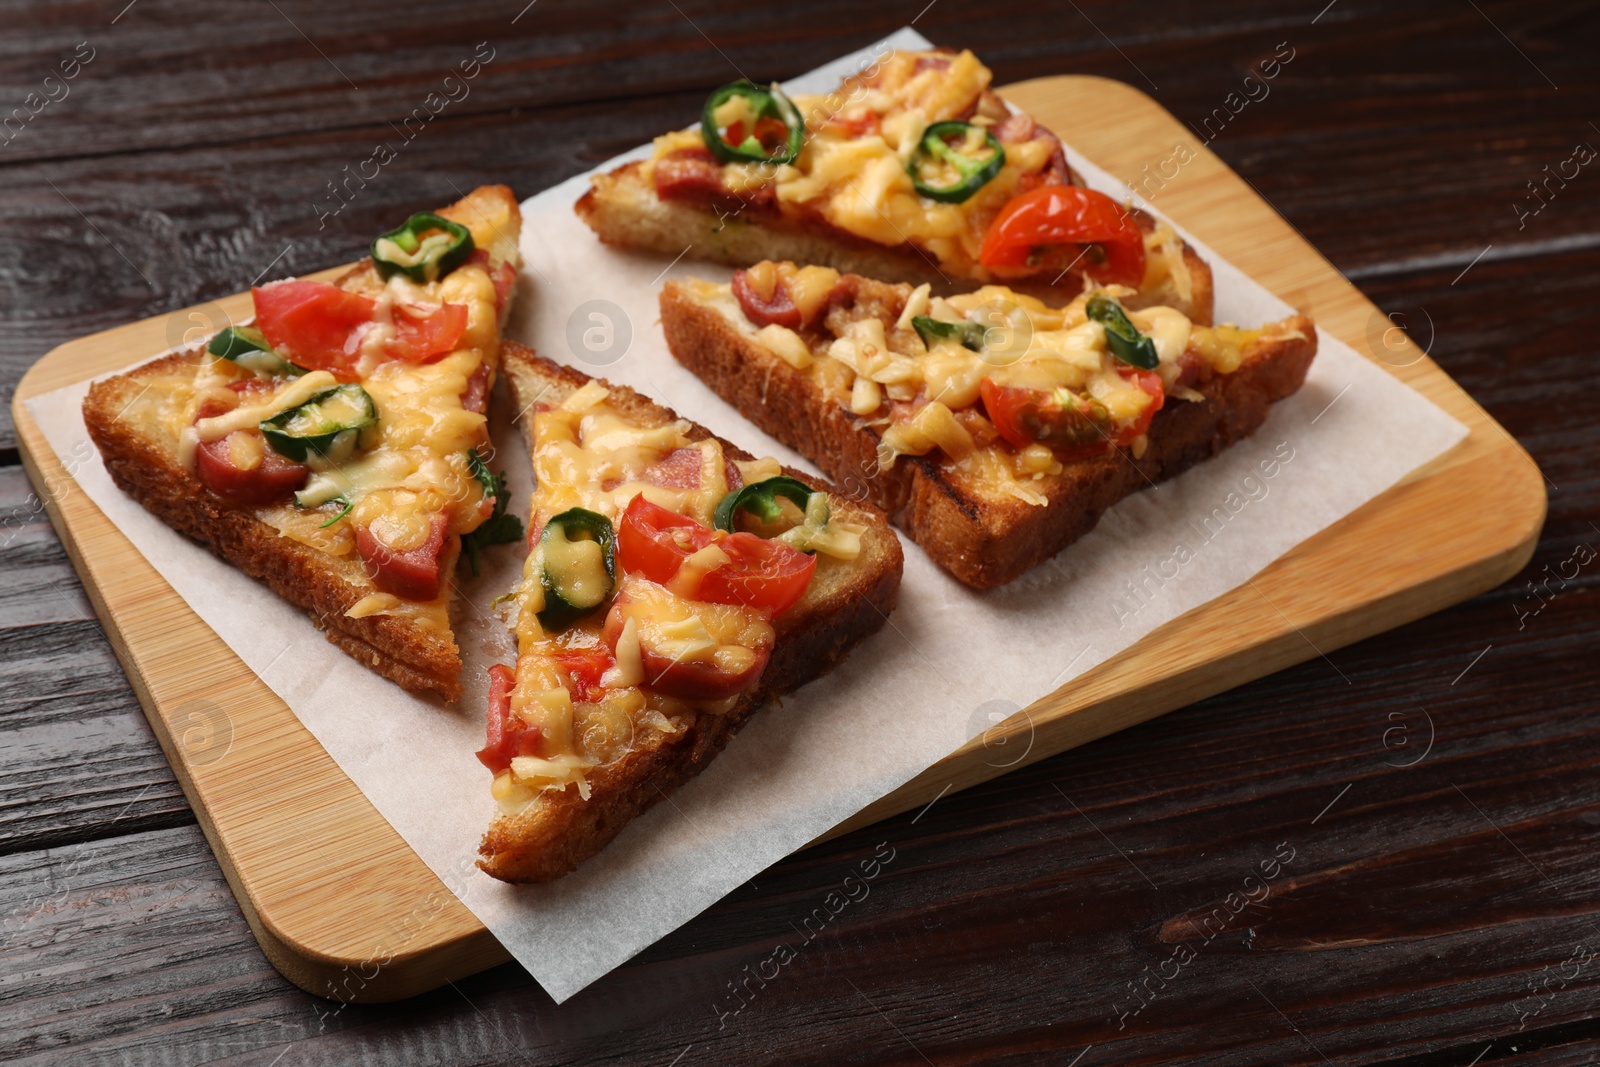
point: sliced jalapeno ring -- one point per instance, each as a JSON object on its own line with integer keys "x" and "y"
{"x": 327, "y": 429}
{"x": 758, "y": 139}
{"x": 943, "y": 146}
{"x": 760, "y": 499}
{"x": 248, "y": 347}
{"x": 579, "y": 568}
{"x": 969, "y": 335}
{"x": 425, "y": 249}
{"x": 1122, "y": 336}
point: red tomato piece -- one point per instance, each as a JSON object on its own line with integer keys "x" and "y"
{"x": 319, "y": 326}
{"x": 764, "y": 574}
{"x": 1054, "y": 215}
{"x": 1150, "y": 382}
{"x": 1037, "y": 416}
{"x": 413, "y": 575}
{"x": 423, "y": 335}
{"x": 779, "y": 309}
{"x": 584, "y": 667}
{"x": 313, "y": 323}
{"x": 508, "y": 736}
{"x": 653, "y": 541}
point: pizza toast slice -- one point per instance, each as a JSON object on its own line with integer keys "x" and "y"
{"x": 674, "y": 584}
{"x": 994, "y": 428}
{"x": 335, "y": 449}
{"x": 913, "y": 170}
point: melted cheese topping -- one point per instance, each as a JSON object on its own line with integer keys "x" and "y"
{"x": 588, "y": 454}
{"x": 852, "y": 171}
{"x": 417, "y": 464}
{"x": 870, "y": 363}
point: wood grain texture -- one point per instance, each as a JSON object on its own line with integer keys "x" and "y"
{"x": 289, "y": 827}
{"x": 111, "y": 231}
{"x": 1397, "y": 139}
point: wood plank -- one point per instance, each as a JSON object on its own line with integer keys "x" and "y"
{"x": 235, "y": 186}
{"x": 63, "y": 697}
{"x": 271, "y": 827}
{"x": 1035, "y": 921}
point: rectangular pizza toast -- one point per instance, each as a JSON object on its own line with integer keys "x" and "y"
{"x": 984, "y": 534}
{"x": 913, "y": 169}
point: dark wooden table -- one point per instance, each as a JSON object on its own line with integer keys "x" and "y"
{"x": 1387, "y": 900}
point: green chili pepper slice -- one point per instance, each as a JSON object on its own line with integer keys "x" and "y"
{"x": 942, "y": 149}
{"x": 761, "y": 142}
{"x": 968, "y": 335}
{"x": 572, "y": 586}
{"x": 425, "y": 249}
{"x": 248, "y": 347}
{"x": 760, "y": 499}
{"x": 1122, "y": 337}
{"x": 325, "y": 430}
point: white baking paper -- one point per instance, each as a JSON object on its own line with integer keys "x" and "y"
{"x": 949, "y": 665}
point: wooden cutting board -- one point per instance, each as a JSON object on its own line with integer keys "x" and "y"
{"x": 345, "y": 909}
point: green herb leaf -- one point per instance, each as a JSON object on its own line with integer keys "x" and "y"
{"x": 499, "y": 528}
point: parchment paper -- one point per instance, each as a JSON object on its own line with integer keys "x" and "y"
{"x": 950, "y": 665}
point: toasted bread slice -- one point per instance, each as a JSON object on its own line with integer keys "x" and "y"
{"x": 544, "y": 835}
{"x": 984, "y": 532}
{"x": 137, "y": 419}
{"x": 847, "y": 201}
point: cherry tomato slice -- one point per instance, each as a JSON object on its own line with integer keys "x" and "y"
{"x": 764, "y": 574}
{"x": 318, "y": 326}
{"x": 412, "y": 575}
{"x": 1150, "y": 382}
{"x": 1067, "y": 215}
{"x": 312, "y": 323}
{"x": 508, "y": 736}
{"x": 1036, "y": 416}
{"x": 584, "y": 666}
{"x": 653, "y": 541}
{"x": 423, "y": 335}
